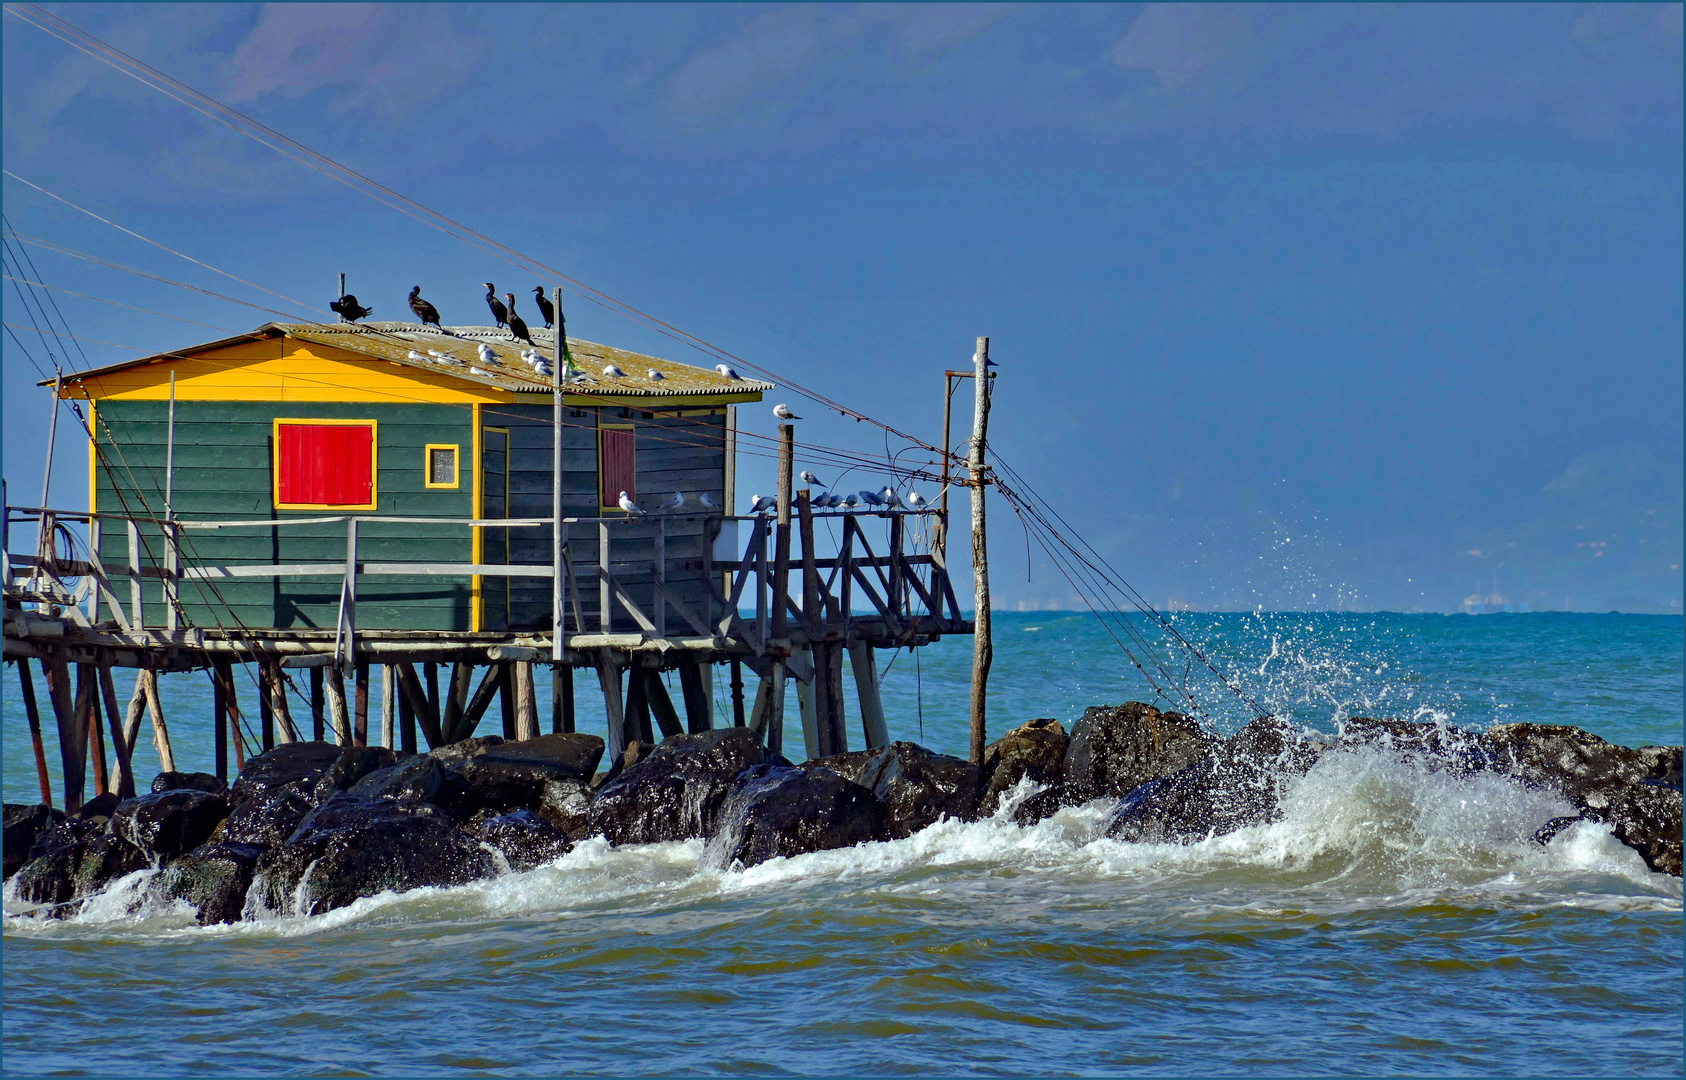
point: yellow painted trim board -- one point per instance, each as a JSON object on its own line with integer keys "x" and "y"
{"x": 93, "y": 457}
{"x": 653, "y": 404}
{"x": 456, "y": 466}
{"x": 299, "y": 421}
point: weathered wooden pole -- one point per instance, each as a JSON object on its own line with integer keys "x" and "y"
{"x": 33, "y": 710}
{"x": 506, "y": 698}
{"x": 692, "y": 682}
{"x": 526, "y": 701}
{"x": 160, "y": 733}
{"x": 266, "y": 708}
{"x": 866, "y": 689}
{"x": 609, "y": 678}
{"x": 88, "y": 713}
{"x": 124, "y": 781}
{"x": 219, "y": 708}
{"x": 406, "y": 719}
{"x": 983, "y": 648}
{"x": 388, "y": 692}
{"x": 286, "y": 730}
{"x": 360, "y": 721}
{"x": 73, "y": 751}
{"x": 338, "y": 714}
{"x": 737, "y": 692}
{"x": 559, "y": 372}
{"x": 562, "y": 699}
{"x": 781, "y": 589}
{"x": 316, "y": 703}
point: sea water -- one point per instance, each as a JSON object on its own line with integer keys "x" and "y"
{"x": 1393, "y": 920}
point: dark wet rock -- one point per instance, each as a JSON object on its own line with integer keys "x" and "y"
{"x": 1664, "y": 763}
{"x": 636, "y": 750}
{"x": 78, "y": 869}
{"x": 213, "y": 878}
{"x": 350, "y": 847}
{"x": 97, "y": 810}
{"x": 513, "y": 774}
{"x": 918, "y": 786}
{"x": 1048, "y": 802}
{"x": 418, "y": 777}
{"x": 1115, "y": 749}
{"x": 1275, "y": 745}
{"x": 264, "y": 820}
{"x": 774, "y": 811}
{"x": 1647, "y": 818}
{"x": 25, "y": 822}
{"x": 1209, "y": 798}
{"x": 1035, "y": 749}
{"x": 167, "y": 823}
{"x": 352, "y": 765}
{"x": 566, "y": 805}
{"x": 297, "y": 766}
{"x": 1555, "y": 827}
{"x": 1589, "y": 771}
{"x": 1438, "y": 744}
{"x": 674, "y": 792}
{"x": 188, "y": 781}
{"x": 525, "y": 839}
{"x": 848, "y": 765}
{"x": 460, "y": 751}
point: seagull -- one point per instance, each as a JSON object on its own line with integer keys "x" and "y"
{"x": 612, "y": 371}
{"x": 546, "y": 308}
{"x": 707, "y": 503}
{"x": 348, "y": 307}
{"x": 425, "y": 311}
{"x": 760, "y": 504}
{"x": 810, "y": 478}
{"x": 629, "y": 506}
{"x": 517, "y": 325}
{"x": 499, "y": 312}
{"x": 727, "y": 370}
{"x": 782, "y": 411}
{"x": 487, "y": 356}
{"x": 850, "y": 502}
{"x": 677, "y": 502}
{"x": 871, "y": 498}
{"x": 414, "y": 355}
{"x": 891, "y": 499}
{"x": 916, "y": 500}
{"x": 656, "y": 376}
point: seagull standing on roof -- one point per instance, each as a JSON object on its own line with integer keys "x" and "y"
{"x": 349, "y": 309}
{"x": 727, "y": 370}
{"x": 426, "y": 312}
{"x": 500, "y": 314}
{"x": 782, "y": 411}
{"x": 517, "y": 326}
{"x": 612, "y": 371}
{"x": 629, "y": 506}
{"x": 546, "y": 308}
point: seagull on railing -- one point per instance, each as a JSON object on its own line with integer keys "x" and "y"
{"x": 707, "y": 503}
{"x": 760, "y": 504}
{"x": 782, "y": 411}
{"x": 891, "y": 499}
{"x": 810, "y": 478}
{"x": 677, "y": 502}
{"x": 851, "y": 501}
{"x": 916, "y": 500}
{"x": 871, "y": 498}
{"x": 629, "y": 506}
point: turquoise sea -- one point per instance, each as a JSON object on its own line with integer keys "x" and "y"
{"x": 1394, "y": 921}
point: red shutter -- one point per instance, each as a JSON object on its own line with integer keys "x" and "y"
{"x": 325, "y": 464}
{"x": 619, "y": 470}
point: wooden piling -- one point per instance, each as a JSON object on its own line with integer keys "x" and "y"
{"x": 609, "y": 678}
{"x": 661, "y": 704}
{"x": 737, "y": 693}
{"x": 506, "y": 697}
{"x": 781, "y": 542}
{"x": 286, "y": 730}
{"x": 420, "y": 705}
{"x": 73, "y": 752}
{"x": 124, "y": 780}
{"x": 807, "y": 705}
{"x": 160, "y": 732}
{"x": 526, "y": 701}
{"x": 699, "y": 713}
{"x": 638, "y": 706}
{"x": 360, "y": 714}
{"x": 866, "y": 692}
{"x": 34, "y": 712}
{"x": 339, "y": 716}
{"x": 406, "y": 716}
{"x": 389, "y": 735}
{"x": 490, "y": 685}
{"x": 562, "y": 699}
{"x": 88, "y": 714}
{"x": 219, "y": 707}
{"x": 266, "y": 708}
{"x": 983, "y": 647}
{"x": 316, "y": 703}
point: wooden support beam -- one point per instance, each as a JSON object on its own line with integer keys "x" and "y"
{"x": 237, "y": 738}
{"x": 132, "y": 718}
{"x": 813, "y": 612}
{"x": 420, "y": 706}
{"x": 33, "y": 710}
{"x": 430, "y": 671}
{"x": 266, "y": 708}
{"x": 833, "y": 737}
{"x": 406, "y": 715}
{"x": 808, "y": 709}
{"x": 767, "y": 720}
{"x": 316, "y": 704}
{"x": 360, "y": 712}
{"x": 526, "y": 701}
{"x": 661, "y": 703}
{"x": 506, "y": 697}
{"x": 339, "y": 716}
{"x": 123, "y": 782}
{"x": 389, "y": 689}
{"x": 699, "y": 714}
{"x": 609, "y": 678}
{"x": 490, "y": 684}
{"x": 73, "y": 753}
{"x": 638, "y": 706}
{"x": 219, "y": 710}
{"x": 737, "y": 693}
{"x": 276, "y": 686}
{"x": 561, "y": 699}
{"x": 983, "y": 647}
{"x": 866, "y": 691}
{"x": 160, "y": 732}
{"x": 88, "y": 710}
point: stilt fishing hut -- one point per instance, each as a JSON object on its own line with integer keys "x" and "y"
{"x": 324, "y": 500}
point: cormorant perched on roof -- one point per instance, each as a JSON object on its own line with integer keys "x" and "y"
{"x": 517, "y": 325}
{"x": 425, "y": 311}
{"x": 546, "y": 308}
{"x": 499, "y": 312}
{"x": 349, "y": 309}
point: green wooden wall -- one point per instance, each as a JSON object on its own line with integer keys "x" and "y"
{"x": 223, "y": 471}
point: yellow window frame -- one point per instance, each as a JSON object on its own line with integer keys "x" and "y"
{"x": 374, "y": 463}
{"x": 456, "y": 466}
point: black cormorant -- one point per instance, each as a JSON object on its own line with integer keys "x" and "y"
{"x": 546, "y": 308}
{"x": 425, "y": 311}
{"x": 517, "y": 325}
{"x": 499, "y": 312}
{"x": 349, "y": 309}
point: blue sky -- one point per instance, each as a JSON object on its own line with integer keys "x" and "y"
{"x": 1370, "y": 307}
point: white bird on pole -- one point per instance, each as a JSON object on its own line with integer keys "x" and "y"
{"x": 916, "y": 500}
{"x": 629, "y": 506}
{"x": 707, "y": 503}
{"x": 760, "y": 504}
{"x": 810, "y": 478}
{"x": 782, "y": 411}
{"x": 851, "y": 501}
{"x": 677, "y": 502}
{"x": 871, "y": 498}
{"x": 727, "y": 370}
{"x": 891, "y": 499}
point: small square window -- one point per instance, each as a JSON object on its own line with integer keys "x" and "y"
{"x": 441, "y": 466}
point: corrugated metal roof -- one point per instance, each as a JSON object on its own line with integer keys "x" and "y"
{"x": 454, "y": 351}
